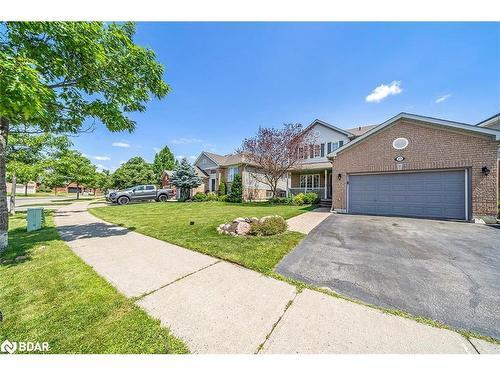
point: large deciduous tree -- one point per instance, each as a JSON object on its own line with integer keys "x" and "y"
{"x": 185, "y": 179}
{"x": 60, "y": 77}
{"x": 73, "y": 167}
{"x": 275, "y": 152}
{"x": 136, "y": 171}
{"x": 164, "y": 160}
{"x": 27, "y": 156}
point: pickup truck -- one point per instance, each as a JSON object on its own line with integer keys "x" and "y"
{"x": 139, "y": 193}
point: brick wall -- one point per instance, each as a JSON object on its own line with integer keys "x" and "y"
{"x": 429, "y": 147}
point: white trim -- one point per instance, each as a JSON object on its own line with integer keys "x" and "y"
{"x": 203, "y": 153}
{"x": 320, "y": 122}
{"x": 491, "y": 120}
{"x": 451, "y": 124}
{"x": 326, "y": 182}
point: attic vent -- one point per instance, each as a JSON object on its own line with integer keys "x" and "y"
{"x": 400, "y": 143}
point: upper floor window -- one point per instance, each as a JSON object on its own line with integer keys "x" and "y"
{"x": 301, "y": 152}
{"x": 322, "y": 150}
{"x": 231, "y": 172}
{"x": 316, "y": 151}
{"x": 311, "y": 151}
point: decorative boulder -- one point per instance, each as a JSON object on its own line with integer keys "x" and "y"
{"x": 242, "y": 228}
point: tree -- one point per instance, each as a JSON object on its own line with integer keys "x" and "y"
{"x": 164, "y": 160}
{"x": 27, "y": 155}
{"x": 57, "y": 75}
{"x": 24, "y": 173}
{"x": 136, "y": 171}
{"x": 103, "y": 180}
{"x": 236, "y": 193}
{"x": 275, "y": 152}
{"x": 222, "y": 188}
{"x": 73, "y": 167}
{"x": 185, "y": 178}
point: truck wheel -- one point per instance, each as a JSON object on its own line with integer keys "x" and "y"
{"x": 123, "y": 200}
{"x": 162, "y": 198}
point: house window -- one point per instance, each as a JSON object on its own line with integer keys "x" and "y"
{"x": 309, "y": 181}
{"x": 231, "y": 172}
{"x": 303, "y": 179}
{"x": 269, "y": 193}
{"x": 341, "y": 143}
{"x": 311, "y": 151}
{"x": 316, "y": 151}
{"x": 301, "y": 152}
{"x": 322, "y": 150}
{"x": 335, "y": 145}
{"x": 329, "y": 147}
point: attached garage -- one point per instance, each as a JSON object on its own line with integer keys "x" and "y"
{"x": 419, "y": 166}
{"x": 429, "y": 194}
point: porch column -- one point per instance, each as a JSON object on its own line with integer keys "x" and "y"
{"x": 326, "y": 181}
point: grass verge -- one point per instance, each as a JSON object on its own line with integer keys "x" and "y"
{"x": 49, "y": 294}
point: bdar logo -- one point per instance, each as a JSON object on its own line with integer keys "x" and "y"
{"x": 8, "y": 347}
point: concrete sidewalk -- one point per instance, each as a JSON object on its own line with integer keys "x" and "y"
{"x": 219, "y": 307}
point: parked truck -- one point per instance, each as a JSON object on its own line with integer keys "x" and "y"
{"x": 140, "y": 193}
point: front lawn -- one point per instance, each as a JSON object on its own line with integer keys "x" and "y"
{"x": 171, "y": 222}
{"x": 49, "y": 294}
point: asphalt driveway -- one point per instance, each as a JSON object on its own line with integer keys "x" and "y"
{"x": 447, "y": 271}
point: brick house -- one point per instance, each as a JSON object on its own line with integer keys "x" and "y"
{"x": 214, "y": 168}
{"x": 419, "y": 166}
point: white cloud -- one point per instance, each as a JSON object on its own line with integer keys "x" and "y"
{"x": 100, "y": 167}
{"x": 183, "y": 141}
{"x": 121, "y": 144}
{"x": 442, "y": 98}
{"x": 383, "y": 91}
{"x": 156, "y": 149}
{"x": 102, "y": 158}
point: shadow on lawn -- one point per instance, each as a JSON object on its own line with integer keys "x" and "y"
{"x": 21, "y": 243}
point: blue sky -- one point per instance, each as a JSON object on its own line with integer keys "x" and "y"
{"x": 228, "y": 79}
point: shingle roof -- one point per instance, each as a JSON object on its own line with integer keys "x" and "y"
{"x": 225, "y": 160}
{"x": 311, "y": 166}
{"x": 360, "y": 130}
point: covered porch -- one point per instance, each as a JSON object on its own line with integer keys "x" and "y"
{"x": 315, "y": 178}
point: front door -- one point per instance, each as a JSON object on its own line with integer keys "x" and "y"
{"x": 329, "y": 185}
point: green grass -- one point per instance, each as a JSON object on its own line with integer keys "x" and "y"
{"x": 171, "y": 222}
{"x": 53, "y": 296}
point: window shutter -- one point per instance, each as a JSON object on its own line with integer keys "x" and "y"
{"x": 329, "y": 147}
{"x": 322, "y": 150}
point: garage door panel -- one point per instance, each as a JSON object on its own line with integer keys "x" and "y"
{"x": 421, "y": 194}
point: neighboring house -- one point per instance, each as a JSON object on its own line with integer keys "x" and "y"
{"x": 165, "y": 180}
{"x": 493, "y": 122}
{"x": 215, "y": 168}
{"x": 72, "y": 188}
{"x": 419, "y": 166}
{"x": 29, "y": 188}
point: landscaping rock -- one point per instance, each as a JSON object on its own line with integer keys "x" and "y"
{"x": 242, "y": 228}
{"x": 20, "y": 258}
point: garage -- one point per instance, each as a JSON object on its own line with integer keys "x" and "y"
{"x": 428, "y": 194}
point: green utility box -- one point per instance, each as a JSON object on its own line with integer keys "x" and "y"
{"x": 35, "y": 218}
